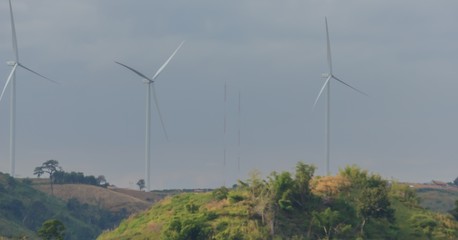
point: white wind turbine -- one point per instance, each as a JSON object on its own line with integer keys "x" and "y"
{"x": 12, "y": 79}
{"x": 327, "y": 84}
{"x": 150, "y": 85}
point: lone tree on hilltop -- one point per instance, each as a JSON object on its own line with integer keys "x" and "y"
{"x": 141, "y": 184}
{"x": 102, "y": 181}
{"x": 50, "y": 167}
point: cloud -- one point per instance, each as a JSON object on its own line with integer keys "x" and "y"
{"x": 402, "y": 53}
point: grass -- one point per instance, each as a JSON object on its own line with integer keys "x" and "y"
{"x": 23, "y": 209}
{"x": 150, "y": 224}
{"x": 105, "y": 198}
{"x": 440, "y": 200}
{"x": 231, "y": 219}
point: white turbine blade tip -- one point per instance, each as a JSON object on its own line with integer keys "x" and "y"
{"x": 168, "y": 60}
{"x": 13, "y": 32}
{"x": 328, "y": 47}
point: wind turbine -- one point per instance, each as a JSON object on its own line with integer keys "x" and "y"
{"x": 150, "y": 86}
{"x": 12, "y": 79}
{"x": 224, "y": 134}
{"x": 327, "y": 85}
{"x": 238, "y": 133}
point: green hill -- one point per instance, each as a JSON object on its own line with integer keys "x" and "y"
{"x": 105, "y": 198}
{"x": 441, "y": 199}
{"x": 23, "y": 210}
{"x": 353, "y": 204}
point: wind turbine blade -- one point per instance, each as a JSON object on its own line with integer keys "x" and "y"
{"x": 135, "y": 71}
{"x": 159, "y": 112}
{"x": 167, "y": 62}
{"x": 8, "y": 81}
{"x": 13, "y": 31}
{"x": 321, "y": 91}
{"x": 328, "y": 46}
{"x": 348, "y": 85}
{"x": 30, "y": 70}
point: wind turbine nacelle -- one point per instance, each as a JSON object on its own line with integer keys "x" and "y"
{"x": 146, "y": 81}
{"x": 325, "y": 75}
{"x": 10, "y": 63}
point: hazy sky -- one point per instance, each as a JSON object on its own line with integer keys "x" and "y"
{"x": 402, "y": 53}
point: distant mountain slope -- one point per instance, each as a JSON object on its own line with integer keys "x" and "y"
{"x": 153, "y": 196}
{"x": 23, "y": 209}
{"x": 437, "y": 198}
{"x": 105, "y": 198}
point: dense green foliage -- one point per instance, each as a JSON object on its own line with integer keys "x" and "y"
{"x": 23, "y": 210}
{"x": 141, "y": 184}
{"x": 62, "y": 177}
{"x": 59, "y": 176}
{"x": 52, "y": 229}
{"x": 352, "y": 205}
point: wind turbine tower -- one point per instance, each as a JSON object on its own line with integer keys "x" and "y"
{"x": 151, "y": 89}
{"x": 239, "y": 133}
{"x": 224, "y": 134}
{"x": 12, "y": 80}
{"x": 327, "y": 84}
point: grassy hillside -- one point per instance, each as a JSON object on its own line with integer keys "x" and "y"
{"x": 207, "y": 213}
{"x": 353, "y": 204}
{"x": 23, "y": 209}
{"x": 441, "y": 199}
{"x": 105, "y": 198}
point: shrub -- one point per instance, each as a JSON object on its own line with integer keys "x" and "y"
{"x": 234, "y": 197}
{"x": 220, "y": 193}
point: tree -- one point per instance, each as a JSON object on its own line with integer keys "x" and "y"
{"x": 49, "y": 167}
{"x": 275, "y": 196}
{"x": 102, "y": 181}
{"x": 282, "y": 188}
{"x": 52, "y": 229}
{"x": 456, "y": 181}
{"x": 141, "y": 184}
{"x": 423, "y": 224}
{"x": 331, "y": 224}
{"x": 404, "y": 193}
{"x": 369, "y": 194}
{"x": 187, "y": 227}
{"x": 220, "y": 193}
{"x": 303, "y": 176}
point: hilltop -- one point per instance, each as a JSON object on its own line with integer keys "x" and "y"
{"x": 109, "y": 198}
{"x": 23, "y": 209}
{"x": 352, "y": 204}
{"x": 86, "y": 210}
{"x": 285, "y": 205}
{"x": 112, "y": 200}
{"x": 440, "y": 198}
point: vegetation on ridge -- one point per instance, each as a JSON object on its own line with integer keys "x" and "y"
{"x": 24, "y": 211}
{"x": 353, "y": 204}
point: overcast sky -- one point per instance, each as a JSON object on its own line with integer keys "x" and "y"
{"x": 402, "y": 53}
